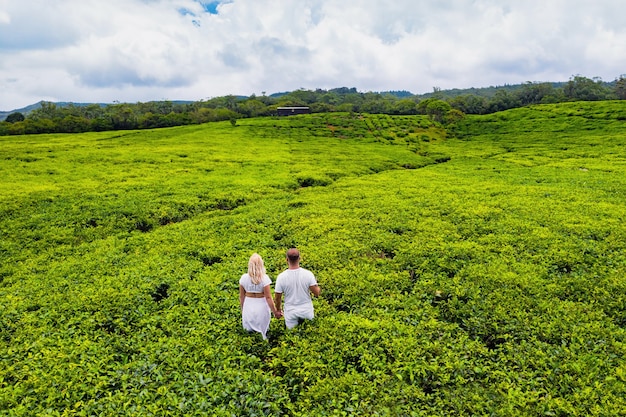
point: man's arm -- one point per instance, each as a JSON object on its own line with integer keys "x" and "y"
{"x": 315, "y": 289}
{"x": 278, "y": 297}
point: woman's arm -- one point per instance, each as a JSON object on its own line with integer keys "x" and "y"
{"x": 242, "y": 296}
{"x": 267, "y": 292}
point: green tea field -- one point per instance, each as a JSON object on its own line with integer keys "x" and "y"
{"x": 473, "y": 271}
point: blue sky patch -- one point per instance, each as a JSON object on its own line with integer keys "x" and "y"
{"x": 210, "y": 6}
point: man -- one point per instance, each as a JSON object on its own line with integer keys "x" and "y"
{"x": 297, "y": 284}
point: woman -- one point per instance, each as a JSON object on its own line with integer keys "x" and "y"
{"x": 255, "y": 298}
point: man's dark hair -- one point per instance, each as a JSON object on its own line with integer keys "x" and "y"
{"x": 293, "y": 255}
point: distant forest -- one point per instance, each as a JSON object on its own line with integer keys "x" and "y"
{"x": 444, "y": 106}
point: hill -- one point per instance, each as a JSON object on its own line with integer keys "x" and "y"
{"x": 471, "y": 271}
{"x": 28, "y": 109}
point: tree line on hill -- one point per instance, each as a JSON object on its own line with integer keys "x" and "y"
{"x": 442, "y": 106}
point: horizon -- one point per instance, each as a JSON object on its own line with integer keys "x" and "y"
{"x": 273, "y": 94}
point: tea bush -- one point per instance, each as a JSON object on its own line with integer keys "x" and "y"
{"x": 478, "y": 272}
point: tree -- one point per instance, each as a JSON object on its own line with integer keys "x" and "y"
{"x": 41, "y": 126}
{"x": 101, "y": 124}
{"x": 15, "y": 117}
{"x": 453, "y": 116}
{"x": 346, "y": 107}
{"x": 582, "y": 88}
{"x": 620, "y": 87}
{"x": 330, "y": 98}
{"x": 321, "y": 107}
{"x": 202, "y": 115}
{"x": 435, "y": 109}
{"x": 150, "y": 120}
{"x": 73, "y": 124}
{"x": 469, "y": 104}
{"x": 122, "y": 116}
{"x": 503, "y": 100}
{"x": 302, "y": 97}
{"x": 252, "y": 108}
{"x": 404, "y": 106}
{"x": 375, "y": 106}
{"x": 535, "y": 93}
{"x": 47, "y": 110}
{"x": 17, "y": 128}
{"x": 92, "y": 111}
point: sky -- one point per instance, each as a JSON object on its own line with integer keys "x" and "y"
{"x": 106, "y": 51}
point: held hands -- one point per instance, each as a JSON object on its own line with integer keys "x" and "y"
{"x": 278, "y": 314}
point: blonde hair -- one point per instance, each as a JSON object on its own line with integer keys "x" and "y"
{"x": 256, "y": 269}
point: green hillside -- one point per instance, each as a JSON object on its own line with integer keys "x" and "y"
{"x": 478, "y": 271}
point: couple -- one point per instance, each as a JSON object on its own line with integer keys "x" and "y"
{"x": 255, "y": 296}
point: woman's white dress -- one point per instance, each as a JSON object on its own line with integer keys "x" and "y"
{"x": 255, "y": 314}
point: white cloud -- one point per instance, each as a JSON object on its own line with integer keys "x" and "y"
{"x": 139, "y": 50}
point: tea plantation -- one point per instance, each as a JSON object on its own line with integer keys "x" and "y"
{"x": 477, "y": 270}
